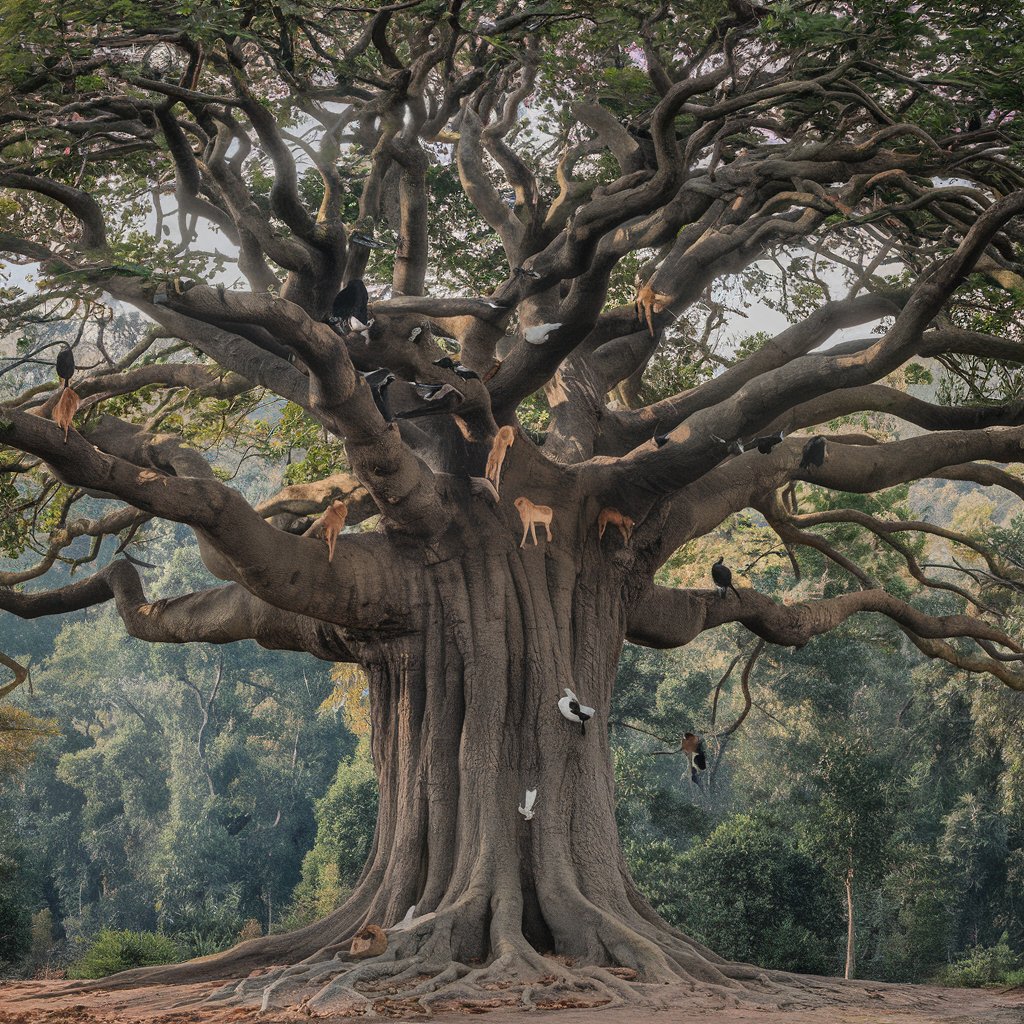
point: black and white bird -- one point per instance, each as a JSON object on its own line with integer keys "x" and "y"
{"x": 435, "y": 392}
{"x": 767, "y": 442}
{"x": 350, "y": 304}
{"x": 379, "y": 381}
{"x": 533, "y": 275}
{"x": 722, "y": 576}
{"x": 526, "y": 807}
{"x": 813, "y": 453}
{"x": 442, "y": 398}
{"x": 573, "y": 710}
{"x": 734, "y": 447}
{"x": 660, "y": 440}
{"x": 366, "y": 240}
{"x": 66, "y": 365}
{"x": 447, "y": 363}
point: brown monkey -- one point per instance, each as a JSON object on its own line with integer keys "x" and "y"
{"x": 332, "y": 522}
{"x": 613, "y": 517}
{"x": 648, "y": 302}
{"x": 531, "y": 515}
{"x": 65, "y": 409}
{"x": 503, "y": 440}
{"x": 371, "y": 941}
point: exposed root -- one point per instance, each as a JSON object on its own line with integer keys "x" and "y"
{"x": 414, "y": 978}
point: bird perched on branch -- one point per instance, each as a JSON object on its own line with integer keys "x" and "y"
{"x": 721, "y": 574}
{"x": 660, "y": 440}
{"x": 767, "y": 442}
{"x": 351, "y": 303}
{"x": 447, "y": 363}
{"x": 573, "y": 710}
{"x": 734, "y": 447}
{"x": 366, "y": 240}
{"x": 814, "y": 453}
{"x": 65, "y": 365}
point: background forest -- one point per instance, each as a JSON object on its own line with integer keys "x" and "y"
{"x": 210, "y": 793}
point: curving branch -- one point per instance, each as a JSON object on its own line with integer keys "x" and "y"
{"x": 664, "y": 618}
{"x": 218, "y": 616}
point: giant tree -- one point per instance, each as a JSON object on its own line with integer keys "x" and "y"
{"x": 522, "y": 165}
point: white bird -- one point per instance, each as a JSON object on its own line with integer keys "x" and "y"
{"x": 572, "y": 709}
{"x": 527, "y": 810}
{"x": 539, "y": 334}
{"x": 410, "y": 915}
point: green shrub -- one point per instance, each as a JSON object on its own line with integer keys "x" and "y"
{"x": 113, "y": 951}
{"x": 983, "y": 965}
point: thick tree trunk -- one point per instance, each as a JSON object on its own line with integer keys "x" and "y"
{"x": 465, "y": 720}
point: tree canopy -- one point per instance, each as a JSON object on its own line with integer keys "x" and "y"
{"x": 664, "y": 246}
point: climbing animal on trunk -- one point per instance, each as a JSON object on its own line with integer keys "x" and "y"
{"x": 531, "y": 515}
{"x": 613, "y": 517}
{"x": 503, "y": 440}
{"x": 693, "y": 748}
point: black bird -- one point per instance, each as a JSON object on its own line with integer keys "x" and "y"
{"x": 379, "y": 381}
{"x": 66, "y": 365}
{"x": 366, "y": 240}
{"x": 735, "y": 447}
{"x": 533, "y": 275}
{"x": 814, "y": 453}
{"x": 660, "y": 440}
{"x": 767, "y": 442}
{"x": 574, "y": 707}
{"x": 447, "y": 363}
{"x": 350, "y": 302}
{"x": 722, "y": 576}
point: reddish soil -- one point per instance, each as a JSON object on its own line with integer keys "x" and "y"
{"x": 49, "y": 1003}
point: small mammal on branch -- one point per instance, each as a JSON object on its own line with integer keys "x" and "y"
{"x": 67, "y": 405}
{"x": 503, "y": 440}
{"x": 613, "y": 517}
{"x": 332, "y": 522}
{"x": 647, "y": 303}
{"x": 531, "y": 515}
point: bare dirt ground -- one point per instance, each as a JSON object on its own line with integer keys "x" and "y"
{"x": 50, "y": 1003}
